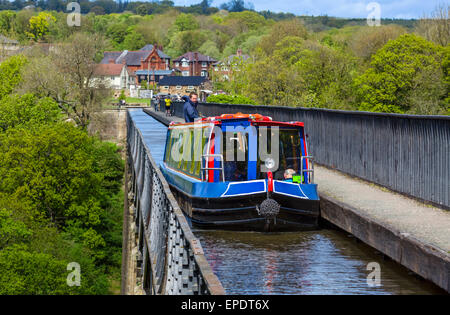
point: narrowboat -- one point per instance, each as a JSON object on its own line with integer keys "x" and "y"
{"x": 242, "y": 172}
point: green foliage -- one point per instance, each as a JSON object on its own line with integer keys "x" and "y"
{"x": 29, "y": 245}
{"x": 25, "y": 272}
{"x": 245, "y": 21}
{"x": 400, "y": 75}
{"x": 279, "y": 31}
{"x": 186, "y": 22}
{"x": 446, "y": 69}
{"x": 39, "y": 25}
{"x": 230, "y": 99}
{"x": 327, "y": 75}
{"x": 144, "y": 84}
{"x": 133, "y": 41}
{"x": 12, "y": 230}
{"x": 27, "y": 111}
{"x": 117, "y": 34}
{"x": 209, "y": 48}
{"x": 366, "y": 41}
{"x": 60, "y": 193}
{"x": 68, "y": 178}
{"x": 185, "y": 41}
{"x": 245, "y": 41}
{"x": 10, "y": 74}
{"x": 122, "y": 96}
{"x": 7, "y": 19}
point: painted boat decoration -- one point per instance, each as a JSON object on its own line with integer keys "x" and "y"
{"x": 242, "y": 172}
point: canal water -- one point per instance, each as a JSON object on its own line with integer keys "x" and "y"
{"x": 326, "y": 261}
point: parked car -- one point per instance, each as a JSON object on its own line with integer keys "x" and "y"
{"x": 176, "y": 98}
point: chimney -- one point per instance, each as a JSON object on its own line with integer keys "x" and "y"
{"x": 239, "y": 52}
{"x": 111, "y": 61}
{"x": 142, "y": 63}
{"x": 196, "y": 63}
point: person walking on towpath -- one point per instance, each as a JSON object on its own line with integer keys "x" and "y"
{"x": 168, "y": 106}
{"x": 190, "y": 107}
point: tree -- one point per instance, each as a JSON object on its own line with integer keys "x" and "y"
{"x": 436, "y": 28}
{"x": 326, "y": 73}
{"x": 205, "y": 5}
{"x": 279, "y": 31}
{"x": 27, "y": 111}
{"x": 133, "y": 41}
{"x": 122, "y": 96}
{"x": 183, "y": 42}
{"x": 142, "y": 9}
{"x": 230, "y": 99}
{"x": 12, "y": 230}
{"x": 25, "y": 272}
{"x": 21, "y": 25}
{"x": 236, "y": 6}
{"x": 369, "y": 40}
{"x": 97, "y": 10}
{"x": 6, "y": 22}
{"x": 68, "y": 78}
{"x": 10, "y": 74}
{"x": 186, "y": 22}
{"x": 245, "y": 21}
{"x": 209, "y": 48}
{"x": 403, "y": 69}
{"x": 39, "y": 25}
{"x": 269, "y": 81}
{"x": 67, "y": 177}
{"x": 117, "y": 33}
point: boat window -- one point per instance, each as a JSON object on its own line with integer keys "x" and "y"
{"x": 188, "y": 144}
{"x": 192, "y": 162}
{"x": 192, "y": 140}
{"x": 289, "y": 153}
{"x": 235, "y": 162}
{"x": 168, "y": 146}
{"x": 199, "y": 146}
{"x": 178, "y": 141}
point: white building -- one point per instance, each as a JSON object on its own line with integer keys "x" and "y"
{"x": 113, "y": 76}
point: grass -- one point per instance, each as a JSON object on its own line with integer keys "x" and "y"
{"x": 132, "y": 100}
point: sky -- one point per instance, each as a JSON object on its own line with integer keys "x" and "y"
{"x": 400, "y": 9}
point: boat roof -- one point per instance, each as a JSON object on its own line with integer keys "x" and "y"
{"x": 254, "y": 119}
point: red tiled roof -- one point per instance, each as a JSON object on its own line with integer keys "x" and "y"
{"x": 109, "y": 69}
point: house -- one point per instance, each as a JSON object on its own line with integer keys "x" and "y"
{"x": 194, "y": 64}
{"x": 223, "y": 69}
{"x": 151, "y": 62}
{"x": 179, "y": 85}
{"x": 114, "y": 76}
{"x": 8, "y": 46}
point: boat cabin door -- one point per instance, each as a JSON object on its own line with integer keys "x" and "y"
{"x": 238, "y": 146}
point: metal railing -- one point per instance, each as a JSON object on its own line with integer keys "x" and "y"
{"x": 203, "y": 169}
{"x": 309, "y": 169}
{"x": 170, "y": 257}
